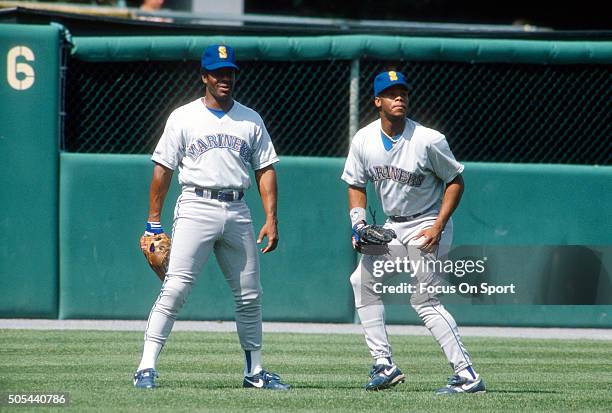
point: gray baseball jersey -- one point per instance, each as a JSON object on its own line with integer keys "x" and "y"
{"x": 193, "y": 135}
{"x": 409, "y": 175}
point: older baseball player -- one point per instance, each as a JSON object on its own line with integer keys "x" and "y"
{"x": 419, "y": 184}
{"x": 213, "y": 141}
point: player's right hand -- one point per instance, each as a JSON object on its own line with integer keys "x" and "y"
{"x": 429, "y": 238}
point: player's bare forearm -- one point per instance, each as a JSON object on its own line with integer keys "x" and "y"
{"x": 450, "y": 200}
{"x": 160, "y": 183}
{"x": 357, "y": 197}
{"x": 266, "y": 183}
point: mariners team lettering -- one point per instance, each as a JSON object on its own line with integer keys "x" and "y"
{"x": 220, "y": 141}
{"x": 396, "y": 174}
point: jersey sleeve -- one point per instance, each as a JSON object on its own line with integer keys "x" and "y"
{"x": 442, "y": 161}
{"x": 263, "y": 150}
{"x": 354, "y": 169}
{"x": 170, "y": 149}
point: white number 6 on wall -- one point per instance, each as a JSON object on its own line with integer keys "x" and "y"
{"x": 20, "y": 76}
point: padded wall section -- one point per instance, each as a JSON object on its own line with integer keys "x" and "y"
{"x": 104, "y": 201}
{"x": 530, "y": 204}
{"x": 104, "y": 204}
{"x": 307, "y": 278}
{"x": 29, "y": 116}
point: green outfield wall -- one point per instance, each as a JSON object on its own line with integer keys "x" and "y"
{"x": 104, "y": 200}
{"x": 103, "y": 205}
{"x": 29, "y": 133}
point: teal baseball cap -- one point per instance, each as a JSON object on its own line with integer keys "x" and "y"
{"x": 385, "y": 80}
{"x": 218, "y": 56}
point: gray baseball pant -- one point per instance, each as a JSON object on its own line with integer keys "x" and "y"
{"x": 370, "y": 307}
{"x": 202, "y": 226}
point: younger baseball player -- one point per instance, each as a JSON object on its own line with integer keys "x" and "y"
{"x": 213, "y": 142}
{"x": 419, "y": 184}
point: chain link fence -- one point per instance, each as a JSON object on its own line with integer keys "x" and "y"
{"x": 489, "y": 112}
{"x": 508, "y": 112}
{"x": 122, "y": 107}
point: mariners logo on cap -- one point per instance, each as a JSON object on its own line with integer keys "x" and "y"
{"x": 217, "y": 56}
{"x": 222, "y": 52}
{"x": 385, "y": 80}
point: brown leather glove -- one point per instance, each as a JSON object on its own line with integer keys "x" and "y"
{"x": 156, "y": 249}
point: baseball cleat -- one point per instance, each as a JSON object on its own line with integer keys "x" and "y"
{"x": 265, "y": 380}
{"x": 383, "y": 377}
{"x": 145, "y": 379}
{"x": 458, "y": 384}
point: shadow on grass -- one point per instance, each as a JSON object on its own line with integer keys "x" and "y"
{"x": 334, "y": 387}
{"x": 200, "y": 386}
{"x": 524, "y": 391}
{"x": 326, "y": 387}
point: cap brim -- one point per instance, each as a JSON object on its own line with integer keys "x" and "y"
{"x": 406, "y": 85}
{"x": 221, "y": 65}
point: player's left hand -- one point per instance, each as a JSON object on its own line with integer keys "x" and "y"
{"x": 430, "y": 238}
{"x": 269, "y": 230}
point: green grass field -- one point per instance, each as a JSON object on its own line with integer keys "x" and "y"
{"x": 202, "y": 372}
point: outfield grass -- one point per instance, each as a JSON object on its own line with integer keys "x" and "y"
{"x": 202, "y": 372}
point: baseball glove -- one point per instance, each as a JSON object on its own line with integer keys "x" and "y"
{"x": 156, "y": 249}
{"x": 373, "y": 239}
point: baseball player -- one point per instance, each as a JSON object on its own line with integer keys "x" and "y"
{"x": 213, "y": 141}
{"x": 419, "y": 184}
